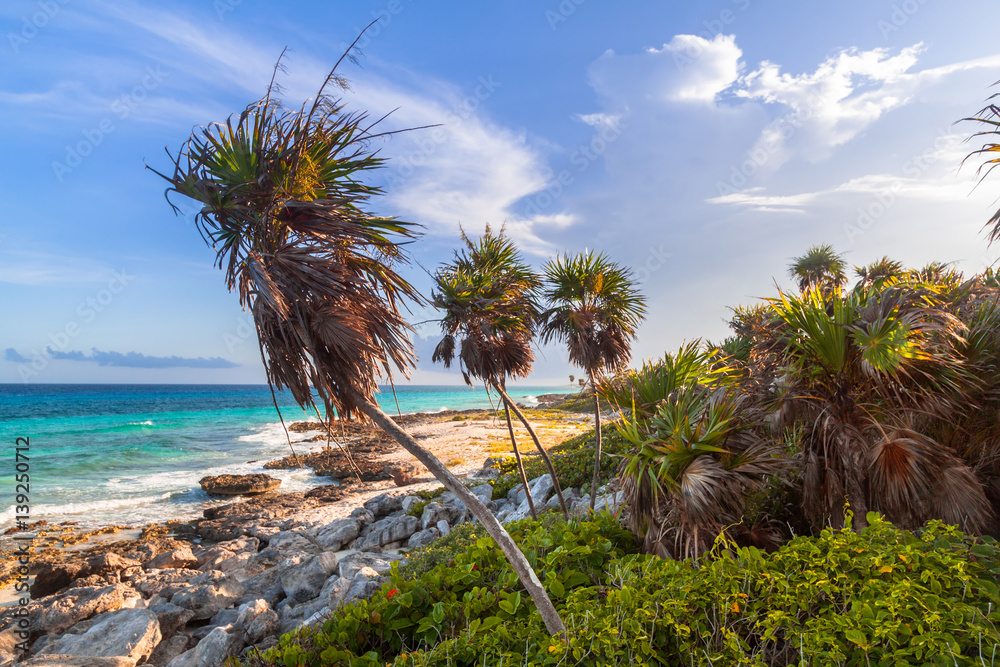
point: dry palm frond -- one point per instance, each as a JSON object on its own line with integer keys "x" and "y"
{"x": 283, "y": 205}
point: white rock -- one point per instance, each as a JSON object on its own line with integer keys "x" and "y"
{"x": 129, "y": 633}
{"x": 219, "y": 644}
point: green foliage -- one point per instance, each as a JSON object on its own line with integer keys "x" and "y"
{"x": 572, "y": 459}
{"x": 641, "y": 391}
{"x": 442, "y": 551}
{"x": 879, "y": 597}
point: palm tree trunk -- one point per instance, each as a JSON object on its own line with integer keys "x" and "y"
{"x": 853, "y": 471}
{"x": 520, "y": 466}
{"x": 508, "y": 402}
{"x": 515, "y": 557}
{"x": 597, "y": 453}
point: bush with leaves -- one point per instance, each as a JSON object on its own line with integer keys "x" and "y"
{"x": 881, "y": 597}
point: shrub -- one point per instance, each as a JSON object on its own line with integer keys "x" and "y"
{"x": 572, "y": 459}
{"x": 879, "y": 597}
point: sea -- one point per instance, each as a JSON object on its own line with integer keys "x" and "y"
{"x": 102, "y": 455}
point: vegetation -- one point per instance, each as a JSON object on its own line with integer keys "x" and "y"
{"x": 283, "y": 206}
{"x": 489, "y": 298}
{"x": 878, "y": 596}
{"x": 595, "y": 309}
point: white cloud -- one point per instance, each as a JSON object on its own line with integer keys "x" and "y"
{"x": 688, "y": 69}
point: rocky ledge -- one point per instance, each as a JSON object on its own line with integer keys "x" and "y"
{"x": 236, "y": 579}
{"x": 238, "y": 485}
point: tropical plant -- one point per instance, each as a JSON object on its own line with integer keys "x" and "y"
{"x": 879, "y": 271}
{"x": 595, "y": 309}
{"x": 489, "y": 298}
{"x": 820, "y": 268}
{"x": 283, "y": 206}
{"x": 989, "y": 153}
{"x": 695, "y": 461}
{"x": 859, "y": 371}
{"x": 640, "y": 392}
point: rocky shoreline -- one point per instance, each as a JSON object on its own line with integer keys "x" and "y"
{"x": 194, "y": 593}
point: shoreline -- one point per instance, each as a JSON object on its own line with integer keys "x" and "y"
{"x": 462, "y": 439}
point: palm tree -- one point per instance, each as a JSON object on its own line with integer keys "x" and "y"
{"x": 879, "y": 271}
{"x": 490, "y": 303}
{"x": 283, "y": 206}
{"x": 695, "y": 460}
{"x": 989, "y": 152}
{"x": 595, "y": 309}
{"x": 860, "y": 371}
{"x": 820, "y": 268}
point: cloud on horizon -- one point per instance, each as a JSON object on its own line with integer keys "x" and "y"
{"x": 13, "y": 356}
{"x": 130, "y": 359}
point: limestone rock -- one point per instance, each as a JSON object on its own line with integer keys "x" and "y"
{"x": 171, "y": 617}
{"x": 238, "y": 485}
{"x": 403, "y": 472}
{"x": 178, "y": 559}
{"x": 168, "y": 649}
{"x": 306, "y": 581}
{"x": 382, "y": 563}
{"x": 384, "y": 504}
{"x": 336, "y": 535}
{"x": 435, "y": 512}
{"x": 162, "y": 582}
{"x": 129, "y": 633}
{"x": 221, "y": 643}
{"x": 208, "y": 593}
{"x": 257, "y": 620}
{"x": 443, "y": 528}
{"x": 57, "y": 614}
{"x": 424, "y": 537}
{"x": 76, "y": 661}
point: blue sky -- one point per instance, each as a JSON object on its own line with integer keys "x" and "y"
{"x": 703, "y": 146}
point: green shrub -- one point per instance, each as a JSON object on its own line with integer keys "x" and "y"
{"x": 442, "y": 551}
{"x": 879, "y": 597}
{"x": 572, "y": 459}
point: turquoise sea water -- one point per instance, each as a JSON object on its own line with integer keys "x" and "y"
{"x": 133, "y": 454}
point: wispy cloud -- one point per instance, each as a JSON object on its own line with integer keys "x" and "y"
{"x": 132, "y": 359}
{"x": 12, "y": 355}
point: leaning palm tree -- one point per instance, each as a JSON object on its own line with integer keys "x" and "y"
{"x": 284, "y": 207}
{"x": 861, "y": 371}
{"x": 820, "y": 268}
{"x": 595, "y": 309}
{"x": 489, "y": 298}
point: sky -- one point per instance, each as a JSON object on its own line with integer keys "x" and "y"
{"x": 702, "y": 145}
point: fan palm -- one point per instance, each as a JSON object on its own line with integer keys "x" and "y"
{"x": 696, "y": 458}
{"x": 595, "y": 309}
{"x": 489, "y": 298}
{"x": 879, "y": 271}
{"x": 859, "y": 370}
{"x": 989, "y": 152}
{"x": 820, "y": 268}
{"x": 283, "y": 206}
{"x": 640, "y": 392}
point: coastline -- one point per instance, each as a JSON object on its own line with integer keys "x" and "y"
{"x": 250, "y": 552}
{"x": 464, "y": 440}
